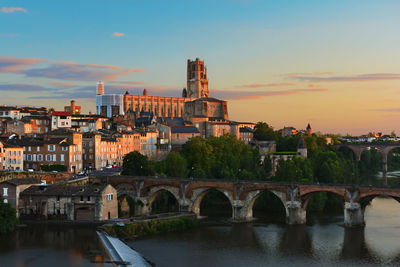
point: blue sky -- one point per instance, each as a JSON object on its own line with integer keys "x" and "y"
{"x": 257, "y": 53}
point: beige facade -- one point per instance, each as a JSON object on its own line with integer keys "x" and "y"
{"x": 13, "y": 157}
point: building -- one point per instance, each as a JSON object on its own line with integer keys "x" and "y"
{"x": 74, "y": 203}
{"x": 112, "y": 105}
{"x": 73, "y": 108}
{"x": 197, "y": 82}
{"x": 11, "y": 189}
{"x": 246, "y": 134}
{"x": 29, "y": 125}
{"x": 181, "y": 134}
{"x": 308, "y": 129}
{"x": 10, "y": 112}
{"x": 60, "y": 119}
{"x": 289, "y": 131}
{"x": 13, "y": 159}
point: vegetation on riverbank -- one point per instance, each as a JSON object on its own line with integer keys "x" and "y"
{"x": 139, "y": 229}
{"x": 8, "y": 218}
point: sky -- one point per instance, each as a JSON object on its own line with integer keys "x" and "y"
{"x": 333, "y": 64}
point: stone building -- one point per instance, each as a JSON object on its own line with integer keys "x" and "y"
{"x": 11, "y": 189}
{"x": 197, "y": 82}
{"x": 80, "y": 203}
{"x": 29, "y": 125}
{"x": 73, "y": 108}
{"x": 112, "y": 105}
{"x": 181, "y": 134}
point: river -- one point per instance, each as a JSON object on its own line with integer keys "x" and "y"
{"x": 322, "y": 242}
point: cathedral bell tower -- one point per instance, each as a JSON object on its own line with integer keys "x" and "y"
{"x": 197, "y": 83}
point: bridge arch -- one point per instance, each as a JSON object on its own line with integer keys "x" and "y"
{"x": 126, "y": 189}
{"x": 252, "y": 196}
{"x": 366, "y": 199}
{"x": 305, "y": 199}
{"x": 198, "y": 195}
{"x": 155, "y": 191}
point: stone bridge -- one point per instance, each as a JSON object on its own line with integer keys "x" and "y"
{"x": 383, "y": 148}
{"x": 243, "y": 194}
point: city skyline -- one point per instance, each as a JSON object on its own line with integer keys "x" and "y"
{"x": 331, "y": 64}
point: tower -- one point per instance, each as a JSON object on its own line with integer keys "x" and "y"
{"x": 309, "y": 130}
{"x": 302, "y": 147}
{"x": 100, "y": 88}
{"x": 197, "y": 83}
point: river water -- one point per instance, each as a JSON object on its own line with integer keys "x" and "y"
{"x": 322, "y": 242}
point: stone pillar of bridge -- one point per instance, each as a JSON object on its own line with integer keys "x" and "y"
{"x": 353, "y": 214}
{"x": 141, "y": 209}
{"x": 384, "y": 167}
{"x": 240, "y": 212}
{"x": 295, "y": 214}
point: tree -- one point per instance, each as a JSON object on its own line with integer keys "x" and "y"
{"x": 137, "y": 164}
{"x": 8, "y": 218}
{"x": 175, "y": 165}
{"x": 264, "y": 132}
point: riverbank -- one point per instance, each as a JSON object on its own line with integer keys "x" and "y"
{"x": 133, "y": 230}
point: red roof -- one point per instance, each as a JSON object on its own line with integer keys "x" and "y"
{"x": 60, "y": 113}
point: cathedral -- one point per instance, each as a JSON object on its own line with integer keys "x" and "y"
{"x": 160, "y": 106}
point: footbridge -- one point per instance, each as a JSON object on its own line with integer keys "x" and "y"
{"x": 242, "y": 195}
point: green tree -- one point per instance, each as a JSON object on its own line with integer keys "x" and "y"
{"x": 136, "y": 164}
{"x": 175, "y": 165}
{"x": 264, "y": 132}
{"x": 8, "y": 218}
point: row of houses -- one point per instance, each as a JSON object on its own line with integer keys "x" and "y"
{"x": 34, "y": 200}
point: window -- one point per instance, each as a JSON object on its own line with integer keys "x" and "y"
{"x": 40, "y": 157}
{"x": 29, "y": 148}
{"x": 5, "y": 191}
{"x": 54, "y": 157}
{"x": 38, "y": 148}
{"x": 88, "y": 198}
{"x": 58, "y": 198}
{"x": 51, "y": 148}
{"x": 62, "y": 157}
{"x": 109, "y": 197}
{"x": 81, "y": 198}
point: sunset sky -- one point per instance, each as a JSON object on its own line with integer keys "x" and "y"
{"x": 335, "y": 64}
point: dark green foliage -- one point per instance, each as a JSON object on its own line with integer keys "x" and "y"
{"x": 138, "y": 229}
{"x": 164, "y": 202}
{"x": 8, "y": 218}
{"x": 223, "y": 157}
{"x": 264, "y": 132}
{"x": 54, "y": 167}
{"x": 175, "y": 165}
{"x": 136, "y": 164}
{"x": 268, "y": 205}
{"x": 215, "y": 203}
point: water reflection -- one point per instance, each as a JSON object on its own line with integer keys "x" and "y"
{"x": 51, "y": 246}
{"x": 325, "y": 242}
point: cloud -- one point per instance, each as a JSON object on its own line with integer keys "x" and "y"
{"x": 231, "y": 94}
{"x": 16, "y": 65}
{"x": 13, "y": 9}
{"x": 118, "y": 34}
{"x": 354, "y": 78}
{"x": 64, "y": 70}
{"x": 263, "y": 85}
{"x": 23, "y": 88}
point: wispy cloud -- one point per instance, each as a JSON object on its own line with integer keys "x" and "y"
{"x": 13, "y": 9}
{"x": 231, "y": 94}
{"x": 354, "y": 78}
{"x": 264, "y": 85}
{"x": 23, "y": 88}
{"x": 16, "y": 65}
{"x": 118, "y": 34}
{"x": 64, "y": 70}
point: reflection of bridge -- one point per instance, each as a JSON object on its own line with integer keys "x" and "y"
{"x": 243, "y": 194}
{"x": 383, "y": 148}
